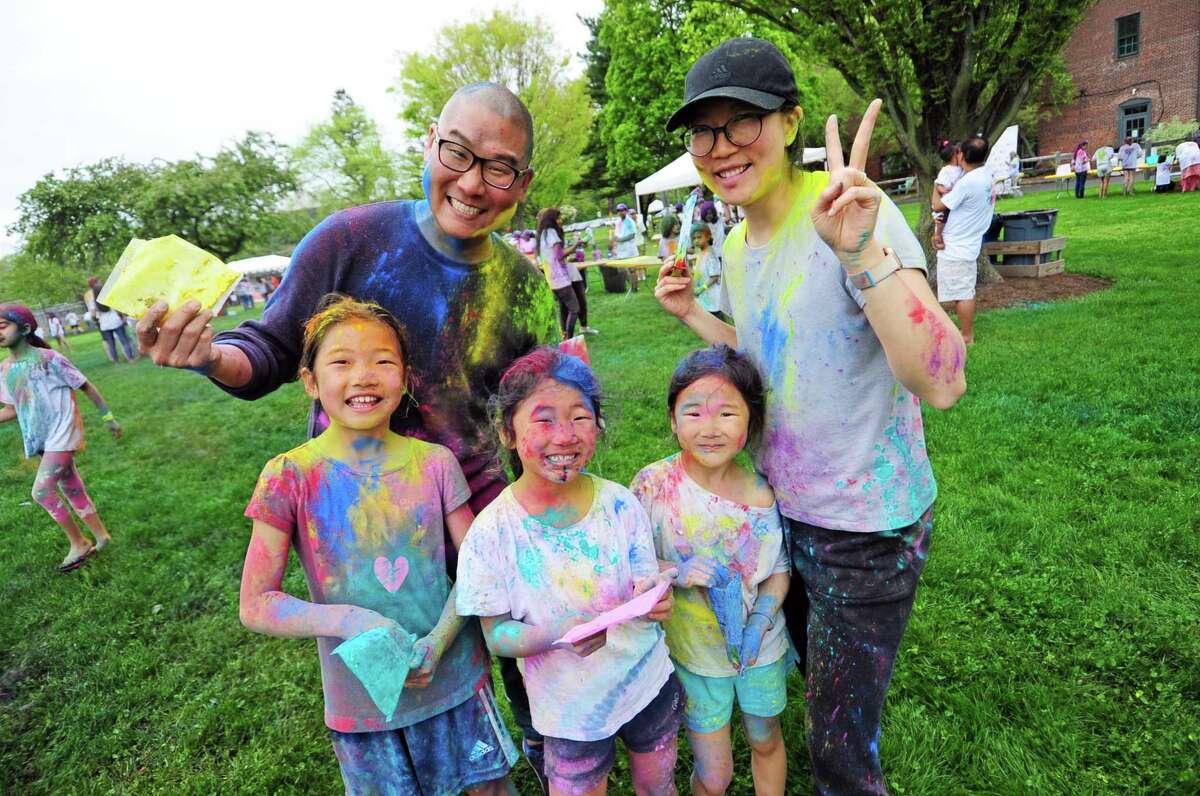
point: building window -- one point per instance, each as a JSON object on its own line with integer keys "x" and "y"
{"x": 1128, "y": 35}
{"x": 1133, "y": 120}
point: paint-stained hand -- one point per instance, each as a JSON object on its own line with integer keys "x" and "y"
{"x": 583, "y": 647}
{"x": 752, "y": 638}
{"x": 661, "y": 611}
{"x": 697, "y": 571}
{"x": 114, "y": 428}
{"x": 182, "y": 340}
{"x": 845, "y": 213}
{"x": 426, "y": 654}
{"x": 673, "y": 290}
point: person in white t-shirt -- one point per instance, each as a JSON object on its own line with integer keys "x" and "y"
{"x": 73, "y": 322}
{"x": 1162, "y": 175}
{"x": 1129, "y": 154}
{"x": 1188, "y": 155}
{"x": 972, "y": 203}
{"x": 1103, "y": 160}
{"x": 57, "y": 331}
{"x": 112, "y": 329}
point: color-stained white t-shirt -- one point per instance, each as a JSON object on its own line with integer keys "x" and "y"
{"x": 514, "y": 563}
{"x": 42, "y": 385}
{"x": 690, "y": 521}
{"x": 843, "y": 445}
{"x": 972, "y": 205}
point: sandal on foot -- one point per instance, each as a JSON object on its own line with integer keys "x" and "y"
{"x": 77, "y": 562}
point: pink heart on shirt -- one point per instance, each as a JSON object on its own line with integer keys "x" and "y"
{"x": 391, "y": 574}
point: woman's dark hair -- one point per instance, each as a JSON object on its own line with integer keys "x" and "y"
{"x": 336, "y": 308}
{"x": 102, "y": 307}
{"x": 733, "y": 366}
{"x": 947, "y": 150}
{"x": 549, "y": 219}
{"x": 523, "y": 377}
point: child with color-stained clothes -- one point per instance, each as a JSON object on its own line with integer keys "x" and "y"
{"x": 947, "y": 176}
{"x": 558, "y": 547}
{"x": 37, "y": 388}
{"x": 366, "y": 510}
{"x": 714, "y": 520}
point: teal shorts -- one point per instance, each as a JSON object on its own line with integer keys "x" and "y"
{"x": 761, "y": 692}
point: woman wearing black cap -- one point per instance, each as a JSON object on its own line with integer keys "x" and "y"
{"x": 826, "y": 287}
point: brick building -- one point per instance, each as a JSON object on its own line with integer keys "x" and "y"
{"x": 1135, "y": 63}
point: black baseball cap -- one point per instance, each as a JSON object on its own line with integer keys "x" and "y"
{"x": 753, "y": 71}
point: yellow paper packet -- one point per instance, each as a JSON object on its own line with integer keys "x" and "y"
{"x": 168, "y": 269}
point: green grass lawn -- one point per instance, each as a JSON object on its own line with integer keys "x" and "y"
{"x": 1054, "y": 647}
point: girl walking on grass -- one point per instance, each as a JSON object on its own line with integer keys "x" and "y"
{"x": 716, "y": 522}
{"x": 825, "y": 286}
{"x": 365, "y": 509}
{"x": 37, "y": 388}
{"x": 558, "y": 546}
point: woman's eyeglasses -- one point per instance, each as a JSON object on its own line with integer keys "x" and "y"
{"x": 742, "y": 130}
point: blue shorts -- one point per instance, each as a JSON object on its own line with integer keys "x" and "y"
{"x": 580, "y": 766}
{"x": 761, "y": 692}
{"x": 458, "y": 749}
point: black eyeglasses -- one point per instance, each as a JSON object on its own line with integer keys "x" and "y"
{"x": 495, "y": 173}
{"x": 742, "y": 130}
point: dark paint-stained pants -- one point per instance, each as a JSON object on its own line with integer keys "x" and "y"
{"x": 860, "y": 588}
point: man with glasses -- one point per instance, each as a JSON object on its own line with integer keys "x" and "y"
{"x": 470, "y": 303}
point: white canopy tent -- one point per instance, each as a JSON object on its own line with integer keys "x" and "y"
{"x": 261, "y": 266}
{"x": 681, "y": 173}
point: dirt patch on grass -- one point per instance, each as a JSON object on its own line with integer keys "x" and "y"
{"x": 1017, "y": 291}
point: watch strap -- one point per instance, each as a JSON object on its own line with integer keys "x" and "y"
{"x": 869, "y": 279}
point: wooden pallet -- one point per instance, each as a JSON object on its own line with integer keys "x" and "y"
{"x": 1047, "y": 256}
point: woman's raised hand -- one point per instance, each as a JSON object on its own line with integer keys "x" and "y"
{"x": 674, "y": 291}
{"x": 845, "y": 212}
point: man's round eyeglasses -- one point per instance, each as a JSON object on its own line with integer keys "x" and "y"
{"x": 742, "y": 130}
{"x": 495, "y": 173}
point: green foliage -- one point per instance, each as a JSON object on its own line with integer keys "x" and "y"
{"x": 1173, "y": 130}
{"x": 342, "y": 161}
{"x": 84, "y": 218}
{"x": 31, "y": 281}
{"x": 521, "y": 54}
{"x": 1054, "y": 647}
{"x": 219, "y": 203}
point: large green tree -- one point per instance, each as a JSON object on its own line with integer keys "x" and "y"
{"x": 224, "y": 203}
{"x": 342, "y": 161}
{"x": 518, "y": 53}
{"x": 35, "y": 282}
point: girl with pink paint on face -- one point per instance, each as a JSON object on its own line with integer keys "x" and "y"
{"x": 556, "y": 548}
{"x": 826, "y": 289}
{"x": 712, "y": 518}
{"x": 367, "y": 511}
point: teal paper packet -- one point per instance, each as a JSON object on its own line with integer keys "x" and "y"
{"x": 380, "y": 659}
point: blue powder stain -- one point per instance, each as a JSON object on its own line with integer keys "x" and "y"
{"x": 574, "y": 372}
{"x": 531, "y": 567}
{"x": 337, "y": 494}
{"x": 774, "y": 338}
{"x": 618, "y": 505}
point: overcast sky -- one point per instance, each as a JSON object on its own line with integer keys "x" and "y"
{"x": 81, "y": 81}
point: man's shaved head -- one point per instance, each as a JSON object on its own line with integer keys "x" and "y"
{"x": 500, "y": 101}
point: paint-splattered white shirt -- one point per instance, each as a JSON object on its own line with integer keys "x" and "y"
{"x": 513, "y": 563}
{"x": 844, "y": 443}
{"x": 42, "y": 385}
{"x": 690, "y": 521}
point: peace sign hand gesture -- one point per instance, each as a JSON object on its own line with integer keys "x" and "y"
{"x": 845, "y": 212}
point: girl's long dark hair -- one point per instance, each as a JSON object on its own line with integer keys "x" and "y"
{"x": 549, "y": 219}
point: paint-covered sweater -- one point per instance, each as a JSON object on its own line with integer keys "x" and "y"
{"x": 466, "y": 323}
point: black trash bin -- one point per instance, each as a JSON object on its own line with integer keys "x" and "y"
{"x": 1027, "y": 225}
{"x": 615, "y": 279}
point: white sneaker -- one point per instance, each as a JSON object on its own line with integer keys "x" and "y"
{"x": 589, "y": 330}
